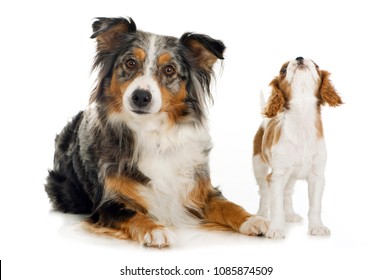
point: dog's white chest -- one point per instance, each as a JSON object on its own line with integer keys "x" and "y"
{"x": 170, "y": 160}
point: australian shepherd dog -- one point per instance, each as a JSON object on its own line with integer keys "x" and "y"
{"x": 136, "y": 160}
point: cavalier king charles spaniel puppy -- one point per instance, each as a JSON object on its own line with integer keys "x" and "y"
{"x": 290, "y": 145}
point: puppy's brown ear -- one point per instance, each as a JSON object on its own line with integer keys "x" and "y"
{"x": 276, "y": 101}
{"x": 204, "y": 50}
{"x": 327, "y": 92}
{"x": 108, "y": 31}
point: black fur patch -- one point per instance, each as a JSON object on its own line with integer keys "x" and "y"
{"x": 111, "y": 214}
{"x": 66, "y": 183}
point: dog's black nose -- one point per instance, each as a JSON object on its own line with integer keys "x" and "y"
{"x": 299, "y": 59}
{"x": 141, "y": 98}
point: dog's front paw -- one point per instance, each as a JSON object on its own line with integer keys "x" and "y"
{"x": 319, "y": 230}
{"x": 275, "y": 233}
{"x": 160, "y": 237}
{"x": 255, "y": 225}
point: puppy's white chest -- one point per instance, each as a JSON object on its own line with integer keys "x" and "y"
{"x": 300, "y": 146}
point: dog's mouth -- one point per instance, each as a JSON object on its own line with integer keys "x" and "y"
{"x": 302, "y": 66}
{"x": 139, "y": 112}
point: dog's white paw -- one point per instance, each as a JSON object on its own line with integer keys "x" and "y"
{"x": 255, "y": 225}
{"x": 319, "y": 231}
{"x": 293, "y": 218}
{"x": 159, "y": 238}
{"x": 275, "y": 233}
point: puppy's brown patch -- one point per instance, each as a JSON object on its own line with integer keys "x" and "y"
{"x": 258, "y": 140}
{"x": 265, "y": 138}
{"x": 319, "y": 124}
{"x": 272, "y": 134}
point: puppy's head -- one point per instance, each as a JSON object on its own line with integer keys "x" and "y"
{"x": 142, "y": 74}
{"x": 298, "y": 76}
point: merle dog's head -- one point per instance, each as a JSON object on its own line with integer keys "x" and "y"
{"x": 143, "y": 74}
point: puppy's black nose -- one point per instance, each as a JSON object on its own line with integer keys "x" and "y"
{"x": 299, "y": 59}
{"x": 141, "y": 98}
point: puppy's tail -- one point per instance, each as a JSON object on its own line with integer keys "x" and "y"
{"x": 262, "y": 100}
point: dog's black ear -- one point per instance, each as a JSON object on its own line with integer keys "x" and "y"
{"x": 204, "y": 49}
{"x": 107, "y": 31}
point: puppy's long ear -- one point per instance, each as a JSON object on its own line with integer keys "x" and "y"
{"x": 107, "y": 31}
{"x": 204, "y": 50}
{"x": 327, "y": 92}
{"x": 276, "y": 101}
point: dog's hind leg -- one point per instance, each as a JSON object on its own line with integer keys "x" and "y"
{"x": 260, "y": 171}
{"x": 66, "y": 183}
{"x": 278, "y": 181}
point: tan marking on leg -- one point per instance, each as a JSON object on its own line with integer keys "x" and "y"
{"x": 135, "y": 228}
{"x": 128, "y": 190}
{"x": 221, "y": 211}
{"x": 198, "y": 197}
{"x": 139, "y": 227}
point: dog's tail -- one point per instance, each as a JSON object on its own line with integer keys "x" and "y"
{"x": 262, "y": 101}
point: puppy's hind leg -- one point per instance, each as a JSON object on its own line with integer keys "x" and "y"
{"x": 290, "y": 214}
{"x": 260, "y": 172}
{"x": 278, "y": 181}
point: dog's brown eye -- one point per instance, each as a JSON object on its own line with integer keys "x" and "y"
{"x": 283, "y": 71}
{"x": 131, "y": 63}
{"x": 169, "y": 70}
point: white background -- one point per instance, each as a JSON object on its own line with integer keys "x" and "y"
{"x": 46, "y": 56}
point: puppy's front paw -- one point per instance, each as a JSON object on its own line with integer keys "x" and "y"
{"x": 275, "y": 233}
{"x": 160, "y": 237}
{"x": 255, "y": 225}
{"x": 319, "y": 230}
